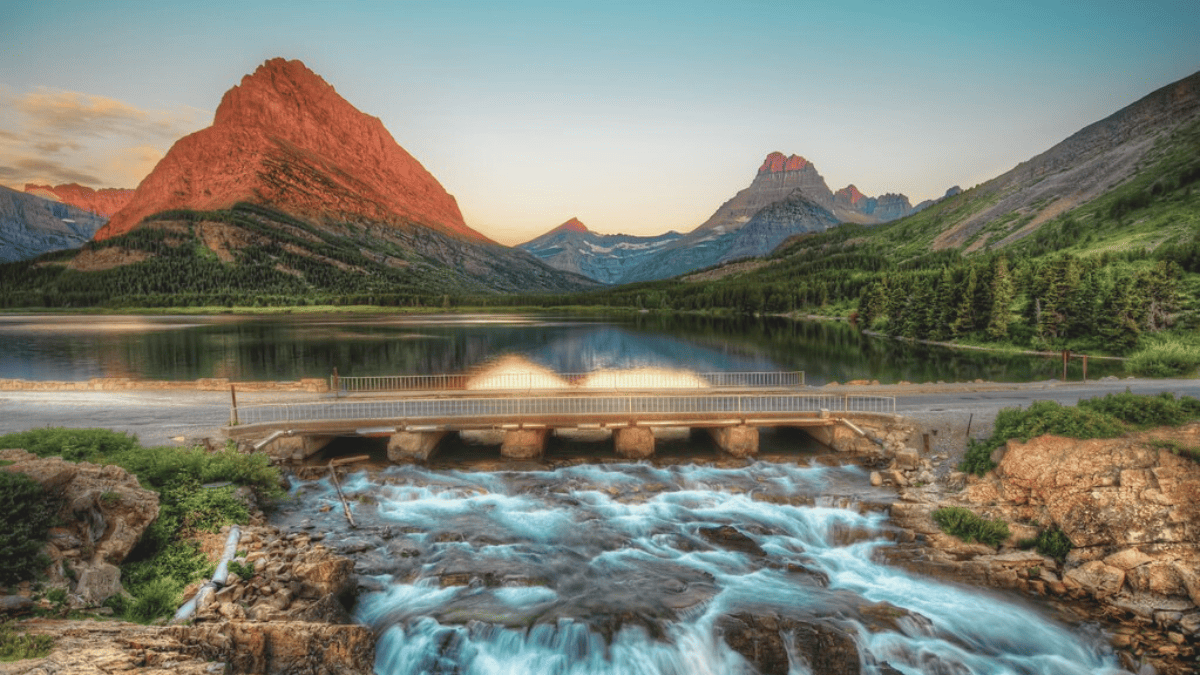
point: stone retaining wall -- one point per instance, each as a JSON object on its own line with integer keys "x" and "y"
{"x": 312, "y": 385}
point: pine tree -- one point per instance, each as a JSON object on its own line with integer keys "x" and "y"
{"x": 999, "y": 314}
{"x": 964, "y": 315}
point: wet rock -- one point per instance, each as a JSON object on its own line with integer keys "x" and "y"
{"x": 730, "y": 538}
{"x": 763, "y": 640}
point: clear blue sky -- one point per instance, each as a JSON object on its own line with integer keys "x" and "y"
{"x": 636, "y": 117}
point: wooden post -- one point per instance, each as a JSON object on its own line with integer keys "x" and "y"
{"x": 337, "y": 384}
{"x": 338, "y": 484}
{"x": 1066, "y": 357}
{"x": 1085, "y": 367}
{"x": 233, "y": 395}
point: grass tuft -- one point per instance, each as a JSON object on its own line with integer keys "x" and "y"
{"x": 964, "y": 524}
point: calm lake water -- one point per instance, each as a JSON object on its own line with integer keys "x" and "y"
{"x": 247, "y": 348}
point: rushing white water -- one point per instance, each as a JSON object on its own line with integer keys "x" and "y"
{"x": 628, "y": 568}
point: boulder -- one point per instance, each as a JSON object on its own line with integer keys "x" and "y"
{"x": 104, "y": 511}
{"x": 763, "y": 640}
{"x": 1096, "y": 578}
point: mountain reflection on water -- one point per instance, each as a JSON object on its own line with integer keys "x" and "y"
{"x": 64, "y": 347}
{"x": 634, "y": 568}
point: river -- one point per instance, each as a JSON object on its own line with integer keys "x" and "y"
{"x": 290, "y": 347}
{"x": 678, "y": 567}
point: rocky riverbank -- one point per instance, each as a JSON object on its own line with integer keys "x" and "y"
{"x": 1130, "y": 508}
{"x": 289, "y": 615}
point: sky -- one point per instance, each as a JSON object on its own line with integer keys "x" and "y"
{"x": 635, "y": 117}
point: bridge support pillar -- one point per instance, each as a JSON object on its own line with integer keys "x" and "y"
{"x": 633, "y": 442}
{"x": 524, "y": 443}
{"x": 840, "y": 438}
{"x": 413, "y": 446}
{"x": 297, "y": 448}
{"x": 739, "y": 441}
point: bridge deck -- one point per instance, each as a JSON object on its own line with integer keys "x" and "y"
{"x": 464, "y": 410}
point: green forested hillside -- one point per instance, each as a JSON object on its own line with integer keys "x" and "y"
{"x": 252, "y": 255}
{"x": 1116, "y": 274}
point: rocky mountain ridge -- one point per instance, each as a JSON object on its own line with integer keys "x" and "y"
{"x": 103, "y": 202}
{"x": 285, "y": 138}
{"x": 31, "y": 225}
{"x": 787, "y": 197}
{"x": 606, "y": 258}
{"x": 1084, "y": 166}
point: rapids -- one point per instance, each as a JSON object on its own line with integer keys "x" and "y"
{"x": 633, "y": 568}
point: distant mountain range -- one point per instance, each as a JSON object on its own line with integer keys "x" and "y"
{"x": 787, "y": 197}
{"x": 31, "y": 225}
{"x": 103, "y": 202}
{"x": 606, "y": 258}
{"x": 343, "y": 206}
{"x": 293, "y": 189}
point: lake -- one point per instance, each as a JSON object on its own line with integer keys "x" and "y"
{"x": 290, "y": 347}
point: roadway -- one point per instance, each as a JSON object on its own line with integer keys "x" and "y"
{"x": 159, "y": 417}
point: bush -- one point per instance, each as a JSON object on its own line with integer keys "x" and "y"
{"x": 1170, "y": 359}
{"x": 27, "y": 512}
{"x": 16, "y": 646}
{"x": 164, "y": 561}
{"x": 1053, "y": 543}
{"x": 73, "y": 445}
{"x": 978, "y": 458}
{"x": 149, "y": 601}
{"x": 1043, "y": 417}
{"x": 157, "y": 468}
{"x": 1146, "y": 411}
{"x": 964, "y": 524}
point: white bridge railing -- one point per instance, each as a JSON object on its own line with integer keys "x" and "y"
{"x": 545, "y": 408}
{"x": 628, "y": 379}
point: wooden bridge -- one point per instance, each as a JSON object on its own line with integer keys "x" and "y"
{"x": 520, "y": 420}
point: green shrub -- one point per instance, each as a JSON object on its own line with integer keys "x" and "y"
{"x": 243, "y": 570}
{"x": 159, "y": 467}
{"x": 16, "y": 646}
{"x": 74, "y": 445}
{"x": 1177, "y": 448}
{"x": 1170, "y": 359}
{"x": 27, "y": 512}
{"x": 164, "y": 561}
{"x": 1144, "y": 412}
{"x": 964, "y": 524}
{"x": 1043, "y": 417}
{"x": 1053, "y": 543}
{"x": 151, "y": 600}
{"x": 978, "y": 458}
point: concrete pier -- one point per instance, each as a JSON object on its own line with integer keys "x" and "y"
{"x": 524, "y": 443}
{"x": 633, "y": 442}
{"x": 297, "y": 448}
{"x": 739, "y": 441}
{"x": 413, "y": 446}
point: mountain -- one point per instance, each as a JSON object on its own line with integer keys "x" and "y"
{"x": 103, "y": 202}
{"x": 31, "y": 225}
{"x": 930, "y": 202}
{"x": 1082, "y": 168}
{"x": 283, "y": 139}
{"x": 1092, "y": 245}
{"x": 798, "y": 200}
{"x": 603, "y": 257}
